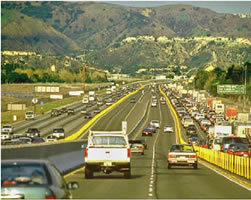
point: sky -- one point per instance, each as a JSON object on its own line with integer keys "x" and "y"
{"x": 217, "y": 6}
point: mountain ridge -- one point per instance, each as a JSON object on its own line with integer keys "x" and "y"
{"x": 69, "y": 27}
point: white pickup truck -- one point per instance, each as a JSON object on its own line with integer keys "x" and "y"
{"x": 107, "y": 151}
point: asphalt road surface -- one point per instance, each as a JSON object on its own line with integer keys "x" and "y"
{"x": 150, "y": 176}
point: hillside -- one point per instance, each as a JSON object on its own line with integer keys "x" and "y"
{"x": 20, "y": 32}
{"x": 69, "y": 27}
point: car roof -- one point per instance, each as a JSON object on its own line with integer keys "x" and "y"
{"x": 25, "y": 161}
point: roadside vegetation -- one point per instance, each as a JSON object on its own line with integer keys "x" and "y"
{"x": 16, "y": 73}
{"x": 235, "y": 75}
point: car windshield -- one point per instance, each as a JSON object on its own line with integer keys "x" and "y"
{"x": 239, "y": 147}
{"x": 59, "y": 130}
{"x": 29, "y": 113}
{"x": 228, "y": 140}
{"x": 15, "y": 174}
{"x": 108, "y": 140}
{"x": 182, "y": 148}
{"x": 7, "y": 126}
{"x": 32, "y": 130}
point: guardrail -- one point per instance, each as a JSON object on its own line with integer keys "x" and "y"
{"x": 235, "y": 164}
{"x": 66, "y": 155}
{"x": 232, "y": 163}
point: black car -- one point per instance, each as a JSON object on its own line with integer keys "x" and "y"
{"x": 88, "y": 115}
{"x": 33, "y": 179}
{"x": 70, "y": 111}
{"x": 190, "y": 130}
{"x": 32, "y": 132}
{"x": 55, "y": 113}
{"x": 64, "y": 110}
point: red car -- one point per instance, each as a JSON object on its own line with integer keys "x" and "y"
{"x": 147, "y": 131}
{"x": 239, "y": 150}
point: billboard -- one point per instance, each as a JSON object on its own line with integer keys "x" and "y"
{"x": 47, "y": 89}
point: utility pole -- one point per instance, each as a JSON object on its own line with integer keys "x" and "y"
{"x": 84, "y": 70}
{"x": 245, "y": 91}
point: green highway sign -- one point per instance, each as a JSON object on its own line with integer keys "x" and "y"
{"x": 230, "y": 89}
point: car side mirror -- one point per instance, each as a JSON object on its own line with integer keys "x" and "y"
{"x": 83, "y": 146}
{"x": 73, "y": 185}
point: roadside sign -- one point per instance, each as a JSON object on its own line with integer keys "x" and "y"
{"x": 230, "y": 89}
{"x": 34, "y": 100}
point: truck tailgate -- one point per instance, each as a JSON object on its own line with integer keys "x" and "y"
{"x": 107, "y": 154}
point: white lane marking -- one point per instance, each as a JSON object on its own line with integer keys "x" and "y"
{"x": 153, "y": 157}
{"x": 249, "y": 189}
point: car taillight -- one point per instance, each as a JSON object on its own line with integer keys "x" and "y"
{"x": 86, "y": 152}
{"x": 171, "y": 156}
{"x": 230, "y": 151}
{"x": 222, "y": 147}
{"x": 50, "y": 197}
{"x": 192, "y": 156}
{"x": 128, "y": 152}
{"x": 7, "y": 182}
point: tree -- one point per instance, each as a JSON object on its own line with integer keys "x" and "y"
{"x": 3, "y": 77}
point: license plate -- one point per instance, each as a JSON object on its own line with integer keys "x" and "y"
{"x": 108, "y": 164}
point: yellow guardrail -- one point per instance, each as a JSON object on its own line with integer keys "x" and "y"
{"x": 235, "y": 164}
{"x": 77, "y": 134}
{"x": 182, "y": 141}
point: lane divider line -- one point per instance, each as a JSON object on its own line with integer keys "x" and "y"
{"x": 77, "y": 134}
{"x": 74, "y": 172}
{"x": 131, "y": 110}
{"x": 208, "y": 165}
{"x": 153, "y": 170}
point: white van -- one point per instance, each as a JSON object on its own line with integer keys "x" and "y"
{"x": 219, "y": 108}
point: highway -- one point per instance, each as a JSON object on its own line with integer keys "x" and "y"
{"x": 150, "y": 176}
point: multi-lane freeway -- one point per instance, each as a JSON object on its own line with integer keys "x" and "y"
{"x": 151, "y": 177}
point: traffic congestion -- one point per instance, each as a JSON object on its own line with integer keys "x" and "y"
{"x": 153, "y": 141}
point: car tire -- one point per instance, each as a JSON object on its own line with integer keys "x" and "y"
{"x": 142, "y": 153}
{"x": 169, "y": 166}
{"x": 88, "y": 173}
{"x": 127, "y": 174}
{"x": 195, "y": 166}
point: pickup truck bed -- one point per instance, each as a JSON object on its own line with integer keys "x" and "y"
{"x": 107, "y": 152}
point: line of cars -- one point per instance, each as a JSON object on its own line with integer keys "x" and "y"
{"x": 189, "y": 111}
{"x": 31, "y": 136}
